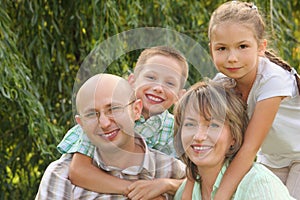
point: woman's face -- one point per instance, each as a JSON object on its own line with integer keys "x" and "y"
{"x": 205, "y": 141}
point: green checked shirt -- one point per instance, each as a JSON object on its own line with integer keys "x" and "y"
{"x": 157, "y": 131}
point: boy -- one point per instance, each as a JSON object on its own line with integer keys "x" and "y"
{"x": 158, "y": 80}
{"x": 107, "y": 109}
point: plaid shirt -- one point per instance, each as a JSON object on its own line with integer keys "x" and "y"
{"x": 56, "y": 185}
{"x": 157, "y": 131}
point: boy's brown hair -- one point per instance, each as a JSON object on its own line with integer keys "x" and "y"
{"x": 165, "y": 51}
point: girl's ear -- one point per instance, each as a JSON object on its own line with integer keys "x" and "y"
{"x": 262, "y": 47}
{"x": 131, "y": 79}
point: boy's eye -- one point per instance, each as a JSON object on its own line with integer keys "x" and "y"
{"x": 150, "y": 77}
{"x": 171, "y": 83}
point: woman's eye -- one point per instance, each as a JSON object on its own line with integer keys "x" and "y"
{"x": 188, "y": 124}
{"x": 214, "y": 125}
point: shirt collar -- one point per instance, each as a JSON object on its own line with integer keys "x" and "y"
{"x": 147, "y": 168}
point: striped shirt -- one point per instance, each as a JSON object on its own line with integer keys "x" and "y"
{"x": 157, "y": 132}
{"x": 56, "y": 185}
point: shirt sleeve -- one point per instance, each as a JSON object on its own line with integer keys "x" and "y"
{"x": 261, "y": 184}
{"x": 76, "y": 141}
{"x": 54, "y": 183}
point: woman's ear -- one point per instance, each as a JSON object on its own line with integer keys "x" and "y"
{"x": 262, "y": 47}
{"x": 131, "y": 79}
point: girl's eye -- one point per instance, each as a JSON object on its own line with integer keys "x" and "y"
{"x": 243, "y": 46}
{"x": 221, "y": 49}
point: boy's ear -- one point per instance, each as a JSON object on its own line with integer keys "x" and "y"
{"x": 137, "y": 109}
{"x": 131, "y": 79}
{"x": 262, "y": 47}
{"x": 181, "y": 93}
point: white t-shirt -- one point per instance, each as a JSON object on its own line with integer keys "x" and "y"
{"x": 282, "y": 144}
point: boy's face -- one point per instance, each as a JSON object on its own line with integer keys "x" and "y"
{"x": 158, "y": 84}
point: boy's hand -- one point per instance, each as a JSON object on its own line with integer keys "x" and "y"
{"x": 147, "y": 189}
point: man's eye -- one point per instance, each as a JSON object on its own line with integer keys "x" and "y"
{"x": 150, "y": 77}
{"x": 91, "y": 115}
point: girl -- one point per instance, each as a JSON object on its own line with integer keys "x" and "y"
{"x": 210, "y": 121}
{"x": 268, "y": 85}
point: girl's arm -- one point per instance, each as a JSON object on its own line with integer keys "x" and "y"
{"x": 258, "y": 128}
{"x": 84, "y": 174}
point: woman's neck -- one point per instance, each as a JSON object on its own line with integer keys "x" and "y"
{"x": 208, "y": 179}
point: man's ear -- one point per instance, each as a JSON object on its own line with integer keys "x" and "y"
{"x": 131, "y": 79}
{"x": 78, "y": 120}
{"x": 137, "y": 109}
{"x": 262, "y": 47}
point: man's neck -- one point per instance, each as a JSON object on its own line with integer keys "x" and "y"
{"x": 122, "y": 158}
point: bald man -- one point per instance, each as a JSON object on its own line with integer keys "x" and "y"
{"x": 107, "y": 110}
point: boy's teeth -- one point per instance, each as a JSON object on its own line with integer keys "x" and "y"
{"x": 154, "y": 98}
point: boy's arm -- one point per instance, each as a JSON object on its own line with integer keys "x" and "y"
{"x": 84, "y": 174}
{"x": 149, "y": 189}
{"x": 257, "y": 130}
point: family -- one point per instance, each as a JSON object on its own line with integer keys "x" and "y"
{"x": 233, "y": 137}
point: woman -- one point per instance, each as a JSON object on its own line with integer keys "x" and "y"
{"x": 210, "y": 120}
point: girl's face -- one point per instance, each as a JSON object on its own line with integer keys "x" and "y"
{"x": 235, "y": 50}
{"x": 205, "y": 141}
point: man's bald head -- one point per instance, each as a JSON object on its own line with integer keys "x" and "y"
{"x": 104, "y": 85}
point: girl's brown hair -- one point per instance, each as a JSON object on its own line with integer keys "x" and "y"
{"x": 247, "y": 14}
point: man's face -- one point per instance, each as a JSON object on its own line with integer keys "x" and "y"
{"x": 107, "y": 115}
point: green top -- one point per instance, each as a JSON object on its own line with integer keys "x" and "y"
{"x": 259, "y": 184}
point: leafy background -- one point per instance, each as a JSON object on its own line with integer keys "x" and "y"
{"x": 43, "y": 43}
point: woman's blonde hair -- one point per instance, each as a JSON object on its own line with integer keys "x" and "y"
{"x": 211, "y": 99}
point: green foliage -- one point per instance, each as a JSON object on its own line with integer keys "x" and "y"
{"x": 42, "y": 45}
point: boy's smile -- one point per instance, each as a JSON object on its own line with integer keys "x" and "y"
{"x": 158, "y": 84}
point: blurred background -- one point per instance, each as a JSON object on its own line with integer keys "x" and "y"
{"x": 43, "y": 43}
